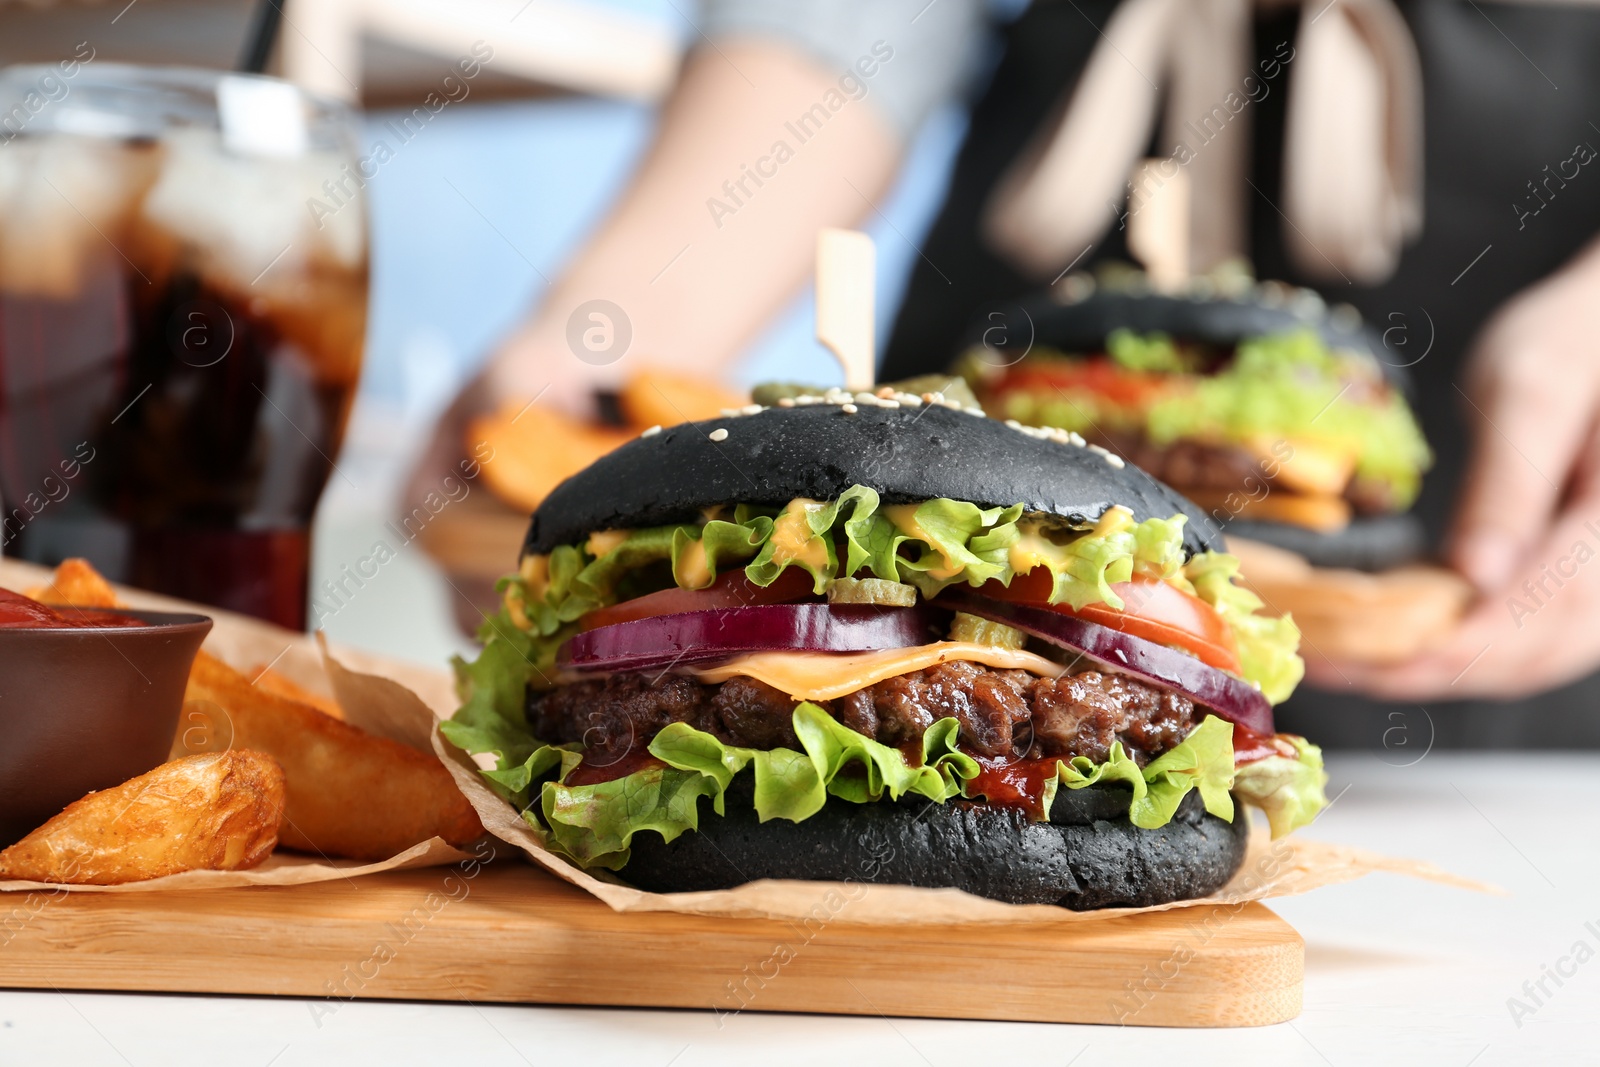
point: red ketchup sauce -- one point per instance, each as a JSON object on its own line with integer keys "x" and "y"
{"x": 18, "y": 612}
{"x": 1013, "y": 783}
{"x": 1020, "y": 783}
{"x": 612, "y": 767}
{"x": 1249, "y": 746}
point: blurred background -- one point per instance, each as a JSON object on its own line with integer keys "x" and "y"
{"x": 469, "y": 220}
{"x": 1419, "y": 164}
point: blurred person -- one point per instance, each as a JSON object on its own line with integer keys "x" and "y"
{"x": 1425, "y": 160}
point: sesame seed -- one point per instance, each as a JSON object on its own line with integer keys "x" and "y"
{"x": 849, "y": 409}
{"x": 886, "y": 393}
{"x": 888, "y": 403}
{"x": 1115, "y": 460}
{"x": 1014, "y": 424}
{"x": 729, "y": 413}
{"x": 805, "y": 400}
{"x": 953, "y": 405}
{"x": 973, "y": 411}
{"x": 751, "y": 409}
{"x": 652, "y": 431}
{"x": 931, "y": 398}
{"x": 910, "y": 401}
{"x": 718, "y": 435}
{"x": 786, "y": 401}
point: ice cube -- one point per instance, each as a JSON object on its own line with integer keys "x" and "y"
{"x": 64, "y": 207}
{"x": 250, "y": 220}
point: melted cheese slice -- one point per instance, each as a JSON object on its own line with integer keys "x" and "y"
{"x": 1304, "y": 465}
{"x": 693, "y": 570}
{"x": 830, "y": 675}
{"x": 792, "y": 539}
{"x": 904, "y": 517}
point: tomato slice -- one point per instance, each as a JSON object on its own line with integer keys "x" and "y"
{"x": 1152, "y": 609}
{"x": 730, "y": 590}
{"x": 1127, "y": 388}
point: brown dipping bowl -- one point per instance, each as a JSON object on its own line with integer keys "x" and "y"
{"x": 87, "y": 708}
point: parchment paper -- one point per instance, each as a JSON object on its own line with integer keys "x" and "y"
{"x": 1282, "y": 868}
{"x": 405, "y": 702}
{"x": 281, "y": 868}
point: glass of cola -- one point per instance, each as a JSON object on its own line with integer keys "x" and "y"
{"x": 181, "y": 324}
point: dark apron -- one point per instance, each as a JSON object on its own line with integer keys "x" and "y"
{"x": 1494, "y": 121}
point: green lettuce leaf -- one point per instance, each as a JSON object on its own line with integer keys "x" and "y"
{"x": 716, "y": 544}
{"x": 1290, "y": 791}
{"x": 1203, "y": 761}
{"x": 960, "y": 542}
{"x": 597, "y": 584}
{"x": 594, "y": 824}
{"x": 1085, "y": 565}
{"x": 862, "y": 534}
{"x": 493, "y": 690}
{"x": 1293, "y": 385}
{"x": 1144, "y": 352}
{"x": 796, "y": 542}
{"x": 1267, "y": 645}
{"x": 1158, "y": 548}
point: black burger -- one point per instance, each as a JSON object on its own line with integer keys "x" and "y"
{"x": 884, "y": 638}
{"x": 1285, "y": 420}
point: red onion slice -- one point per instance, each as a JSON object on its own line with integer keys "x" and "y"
{"x": 1232, "y": 698}
{"x": 695, "y": 636}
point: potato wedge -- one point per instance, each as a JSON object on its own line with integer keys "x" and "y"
{"x": 535, "y": 449}
{"x": 349, "y": 793}
{"x": 77, "y": 584}
{"x": 656, "y": 398}
{"x": 202, "y": 813}
{"x": 279, "y": 684}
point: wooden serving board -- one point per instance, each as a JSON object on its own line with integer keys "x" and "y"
{"x": 515, "y": 934}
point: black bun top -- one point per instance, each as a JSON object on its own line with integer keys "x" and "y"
{"x": 817, "y": 451}
{"x": 1082, "y": 325}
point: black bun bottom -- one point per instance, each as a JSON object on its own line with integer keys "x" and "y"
{"x": 1087, "y": 856}
{"x": 1367, "y": 544}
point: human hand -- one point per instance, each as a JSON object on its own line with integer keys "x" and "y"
{"x": 1528, "y": 527}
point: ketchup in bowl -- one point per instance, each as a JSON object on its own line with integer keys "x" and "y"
{"x": 88, "y": 699}
{"x": 18, "y": 612}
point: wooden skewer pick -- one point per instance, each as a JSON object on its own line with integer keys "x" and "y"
{"x": 846, "y": 269}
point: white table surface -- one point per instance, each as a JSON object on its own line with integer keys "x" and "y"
{"x": 1397, "y": 971}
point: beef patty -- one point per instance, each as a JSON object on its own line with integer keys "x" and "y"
{"x": 1000, "y": 712}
